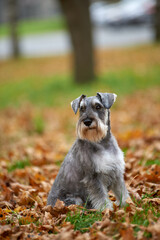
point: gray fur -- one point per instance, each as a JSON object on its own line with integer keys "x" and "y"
{"x": 107, "y": 99}
{"x": 75, "y": 103}
{"x": 91, "y": 168}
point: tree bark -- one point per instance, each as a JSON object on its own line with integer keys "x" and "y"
{"x": 157, "y": 21}
{"x": 79, "y": 24}
{"x": 13, "y": 19}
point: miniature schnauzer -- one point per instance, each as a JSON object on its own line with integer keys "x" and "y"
{"x": 95, "y": 163}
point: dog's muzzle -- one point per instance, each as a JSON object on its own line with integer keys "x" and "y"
{"x": 91, "y": 129}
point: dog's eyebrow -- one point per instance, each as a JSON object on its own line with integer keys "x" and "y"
{"x": 82, "y": 103}
{"x": 96, "y": 101}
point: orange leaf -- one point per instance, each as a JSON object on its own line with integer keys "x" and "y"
{"x": 127, "y": 233}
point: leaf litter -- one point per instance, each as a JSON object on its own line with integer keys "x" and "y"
{"x": 30, "y": 160}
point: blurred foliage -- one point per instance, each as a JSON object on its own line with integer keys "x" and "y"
{"x": 35, "y": 140}
{"x": 35, "y": 26}
{"x": 48, "y": 82}
{"x": 38, "y": 124}
{"x": 19, "y": 165}
{"x": 53, "y": 90}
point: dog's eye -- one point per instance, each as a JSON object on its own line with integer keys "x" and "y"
{"x": 98, "y": 106}
{"x": 82, "y": 108}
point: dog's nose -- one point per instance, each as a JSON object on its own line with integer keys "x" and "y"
{"x": 87, "y": 122}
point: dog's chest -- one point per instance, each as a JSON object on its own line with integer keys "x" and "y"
{"x": 106, "y": 162}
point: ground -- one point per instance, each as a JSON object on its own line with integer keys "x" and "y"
{"x": 35, "y": 137}
{"x": 35, "y": 26}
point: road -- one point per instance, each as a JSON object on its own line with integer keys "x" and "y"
{"x": 59, "y": 43}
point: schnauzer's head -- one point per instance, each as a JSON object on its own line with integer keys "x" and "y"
{"x": 93, "y": 121}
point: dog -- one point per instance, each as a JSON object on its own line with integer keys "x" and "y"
{"x": 95, "y": 163}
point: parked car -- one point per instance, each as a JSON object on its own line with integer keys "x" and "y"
{"x": 123, "y": 12}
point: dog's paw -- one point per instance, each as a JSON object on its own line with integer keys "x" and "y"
{"x": 110, "y": 207}
{"x": 108, "y": 204}
{"x": 120, "y": 204}
{"x": 102, "y": 206}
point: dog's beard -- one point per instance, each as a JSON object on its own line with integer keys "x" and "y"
{"x": 94, "y": 133}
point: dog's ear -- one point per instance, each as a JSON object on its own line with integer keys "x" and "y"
{"x": 75, "y": 104}
{"x": 107, "y": 99}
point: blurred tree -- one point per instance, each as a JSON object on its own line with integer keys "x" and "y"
{"x": 79, "y": 24}
{"x": 13, "y": 19}
{"x": 157, "y": 21}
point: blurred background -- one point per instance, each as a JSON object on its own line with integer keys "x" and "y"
{"x": 48, "y": 47}
{"x": 53, "y": 51}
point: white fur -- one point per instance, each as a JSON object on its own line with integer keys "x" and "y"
{"x": 106, "y": 116}
{"x": 82, "y": 103}
{"x": 94, "y": 133}
{"x": 105, "y": 162}
{"x": 102, "y": 203}
{"x": 115, "y": 96}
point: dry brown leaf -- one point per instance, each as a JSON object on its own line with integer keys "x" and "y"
{"x": 152, "y": 200}
{"x": 137, "y": 130}
{"x": 6, "y": 204}
{"x": 19, "y": 209}
{"x": 155, "y": 230}
{"x": 105, "y": 223}
{"x": 127, "y": 233}
{"x": 26, "y": 198}
{"x": 101, "y": 236}
{"x": 84, "y": 236}
{"x": 7, "y": 193}
{"x": 67, "y": 233}
{"x": 16, "y": 187}
{"x": 58, "y": 209}
{"x": 18, "y": 235}
{"x": 153, "y": 175}
{"x": 134, "y": 193}
{"x": 5, "y": 230}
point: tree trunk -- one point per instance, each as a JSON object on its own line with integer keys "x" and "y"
{"x": 157, "y": 21}
{"x": 79, "y": 24}
{"x": 13, "y": 18}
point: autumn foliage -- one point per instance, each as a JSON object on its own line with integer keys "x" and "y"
{"x": 34, "y": 142}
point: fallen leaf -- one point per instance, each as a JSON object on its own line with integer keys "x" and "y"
{"x": 127, "y": 233}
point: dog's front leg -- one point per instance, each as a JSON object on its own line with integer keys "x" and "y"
{"x": 120, "y": 191}
{"x": 97, "y": 194}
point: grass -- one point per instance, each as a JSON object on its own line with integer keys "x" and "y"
{"x": 38, "y": 124}
{"x": 51, "y": 91}
{"x": 59, "y": 162}
{"x": 19, "y": 165}
{"x": 151, "y": 162}
{"x": 141, "y": 218}
{"x": 25, "y": 221}
{"x": 35, "y": 26}
{"x": 83, "y": 220}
